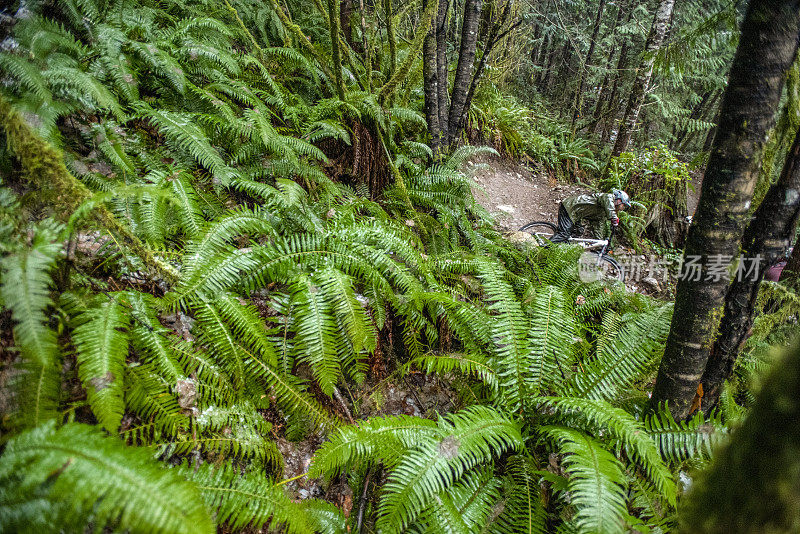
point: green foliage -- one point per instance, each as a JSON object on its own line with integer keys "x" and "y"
{"x": 200, "y": 147}
{"x": 74, "y": 475}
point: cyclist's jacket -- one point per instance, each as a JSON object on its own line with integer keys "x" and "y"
{"x": 592, "y": 207}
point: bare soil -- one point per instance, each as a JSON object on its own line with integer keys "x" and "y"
{"x": 517, "y": 194}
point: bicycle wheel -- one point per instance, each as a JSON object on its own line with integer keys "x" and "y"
{"x": 611, "y": 269}
{"x": 541, "y": 230}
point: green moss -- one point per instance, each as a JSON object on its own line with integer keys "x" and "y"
{"x": 43, "y": 167}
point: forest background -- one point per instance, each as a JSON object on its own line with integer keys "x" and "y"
{"x": 246, "y": 285}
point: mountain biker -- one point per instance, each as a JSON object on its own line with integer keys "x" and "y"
{"x": 594, "y": 208}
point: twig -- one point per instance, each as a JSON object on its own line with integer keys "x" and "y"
{"x": 362, "y": 505}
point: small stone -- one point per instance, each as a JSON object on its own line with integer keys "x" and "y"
{"x": 652, "y": 282}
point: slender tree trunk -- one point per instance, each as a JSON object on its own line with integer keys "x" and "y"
{"x": 602, "y": 93}
{"x": 387, "y": 9}
{"x": 401, "y": 73}
{"x": 492, "y": 39}
{"x": 654, "y": 41}
{"x": 430, "y": 74}
{"x": 545, "y": 60}
{"x": 705, "y": 113}
{"x": 441, "y": 66}
{"x": 466, "y": 59}
{"x": 541, "y": 58}
{"x": 598, "y": 19}
{"x": 767, "y": 46}
{"x": 765, "y": 239}
{"x": 333, "y": 17}
{"x": 611, "y": 108}
{"x": 364, "y": 45}
{"x": 345, "y": 15}
{"x": 791, "y": 273}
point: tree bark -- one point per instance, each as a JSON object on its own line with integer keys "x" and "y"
{"x": 333, "y": 16}
{"x": 598, "y": 19}
{"x": 365, "y": 46}
{"x": 466, "y": 59}
{"x": 441, "y": 66}
{"x": 791, "y": 273}
{"x": 430, "y": 74}
{"x": 345, "y": 15}
{"x": 753, "y": 487}
{"x": 612, "y": 107}
{"x": 654, "y": 41}
{"x": 767, "y": 46}
{"x": 766, "y": 238}
{"x": 387, "y": 8}
{"x": 492, "y": 39}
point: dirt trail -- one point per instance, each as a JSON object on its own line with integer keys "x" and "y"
{"x": 516, "y": 194}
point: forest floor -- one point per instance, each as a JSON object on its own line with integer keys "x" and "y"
{"x": 517, "y": 194}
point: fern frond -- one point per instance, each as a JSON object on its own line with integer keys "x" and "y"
{"x": 186, "y": 137}
{"x": 628, "y": 357}
{"x": 678, "y": 441}
{"x": 623, "y": 427}
{"x": 247, "y": 500}
{"x": 25, "y": 291}
{"x": 103, "y": 482}
{"x": 522, "y": 507}
{"x": 102, "y": 344}
{"x": 596, "y": 481}
{"x": 465, "y": 440}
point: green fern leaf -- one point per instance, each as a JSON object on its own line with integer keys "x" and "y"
{"x": 101, "y": 482}
{"x": 597, "y": 481}
{"x": 102, "y": 344}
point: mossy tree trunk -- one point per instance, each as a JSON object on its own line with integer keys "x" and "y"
{"x": 387, "y": 10}
{"x": 767, "y": 46}
{"x": 658, "y": 32}
{"x": 766, "y": 238}
{"x": 333, "y": 17}
{"x": 753, "y": 485}
{"x": 466, "y": 60}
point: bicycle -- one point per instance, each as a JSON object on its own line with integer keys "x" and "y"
{"x": 600, "y": 262}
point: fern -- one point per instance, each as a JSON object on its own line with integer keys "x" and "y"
{"x": 597, "y": 481}
{"x": 96, "y": 477}
{"x": 425, "y": 459}
{"x": 621, "y": 426}
{"x": 245, "y": 500}
{"x": 102, "y": 344}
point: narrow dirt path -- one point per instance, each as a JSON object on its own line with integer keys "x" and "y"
{"x": 514, "y": 193}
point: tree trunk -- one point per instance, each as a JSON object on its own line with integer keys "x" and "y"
{"x": 333, "y": 16}
{"x": 766, "y": 238}
{"x": 365, "y": 46}
{"x": 654, "y": 41}
{"x": 598, "y": 19}
{"x": 492, "y": 39}
{"x": 791, "y": 273}
{"x": 387, "y": 9}
{"x": 401, "y": 73}
{"x": 766, "y": 49}
{"x": 601, "y": 94}
{"x": 752, "y": 486}
{"x": 612, "y": 106}
{"x": 345, "y": 15}
{"x": 430, "y": 74}
{"x": 466, "y": 59}
{"x": 441, "y": 66}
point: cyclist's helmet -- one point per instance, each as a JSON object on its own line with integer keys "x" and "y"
{"x": 622, "y": 196}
